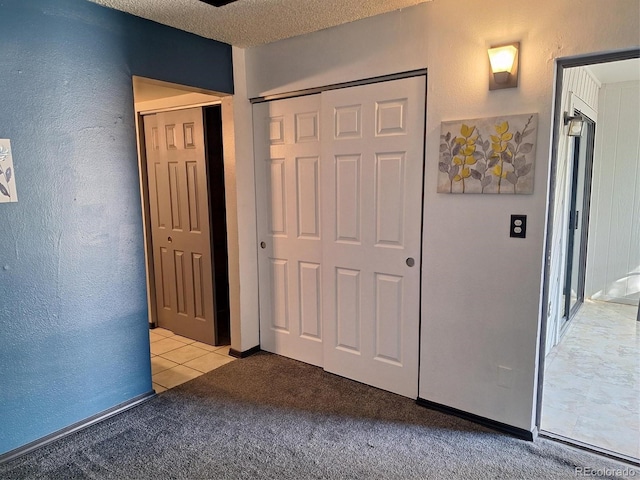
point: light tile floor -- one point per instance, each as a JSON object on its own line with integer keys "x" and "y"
{"x": 592, "y": 380}
{"x": 176, "y": 359}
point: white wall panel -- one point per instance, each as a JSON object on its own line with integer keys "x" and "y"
{"x": 613, "y": 257}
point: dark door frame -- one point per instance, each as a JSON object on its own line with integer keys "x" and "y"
{"x": 561, "y": 65}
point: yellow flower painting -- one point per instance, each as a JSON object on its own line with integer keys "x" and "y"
{"x": 488, "y": 155}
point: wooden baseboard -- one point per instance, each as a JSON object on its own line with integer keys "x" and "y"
{"x": 41, "y": 442}
{"x": 245, "y": 354}
{"x": 487, "y": 422}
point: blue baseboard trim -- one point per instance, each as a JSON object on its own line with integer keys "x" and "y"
{"x": 87, "y": 422}
{"x": 487, "y": 422}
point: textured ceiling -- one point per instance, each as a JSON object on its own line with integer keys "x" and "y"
{"x": 247, "y": 23}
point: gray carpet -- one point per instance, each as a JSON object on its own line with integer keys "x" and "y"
{"x": 274, "y": 418}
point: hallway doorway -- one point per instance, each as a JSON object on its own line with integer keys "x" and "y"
{"x": 182, "y": 179}
{"x": 590, "y": 369}
{"x": 175, "y": 356}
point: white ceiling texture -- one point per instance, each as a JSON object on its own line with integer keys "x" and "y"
{"x": 247, "y": 23}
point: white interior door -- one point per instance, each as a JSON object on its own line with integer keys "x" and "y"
{"x": 287, "y": 156}
{"x": 339, "y": 196}
{"x": 371, "y": 215}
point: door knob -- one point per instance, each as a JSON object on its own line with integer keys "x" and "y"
{"x": 169, "y": 239}
{"x": 263, "y": 245}
{"x": 411, "y": 262}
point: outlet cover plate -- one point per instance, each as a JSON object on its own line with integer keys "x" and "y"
{"x": 518, "y": 226}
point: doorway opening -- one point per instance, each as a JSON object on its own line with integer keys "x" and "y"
{"x": 589, "y": 384}
{"x": 184, "y": 190}
{"x": 579, "y": 202}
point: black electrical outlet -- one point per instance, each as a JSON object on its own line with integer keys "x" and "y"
{"x": 518, "y": 226}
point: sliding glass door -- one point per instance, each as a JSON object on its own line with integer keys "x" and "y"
{"x": 579, "y": 200}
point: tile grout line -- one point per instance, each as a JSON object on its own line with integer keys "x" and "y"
{"x": 594, "y": 330}
{"x": 183, "y": 364}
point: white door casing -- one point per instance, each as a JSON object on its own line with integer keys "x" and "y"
{"x": 339, "y": 180}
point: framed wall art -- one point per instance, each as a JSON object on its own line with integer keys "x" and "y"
{"x": 488, "y": 155}
{"x": 8, "y": 192}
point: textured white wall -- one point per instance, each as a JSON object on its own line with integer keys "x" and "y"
{"x": 481, "y": 290}
{"x": 245, "y": 333}
{"x": 613, "y": 257}
{"x": 231, "y": 205}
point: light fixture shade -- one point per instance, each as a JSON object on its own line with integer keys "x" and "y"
{"x": 575, "y": 124}
{"x": 502, "y": 58}
{"x": 504, "y": 61}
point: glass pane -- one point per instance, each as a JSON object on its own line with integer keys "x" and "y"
{"x": 576, "y": 266}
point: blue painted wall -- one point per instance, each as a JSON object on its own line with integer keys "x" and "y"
{"x": 73, "y": 311}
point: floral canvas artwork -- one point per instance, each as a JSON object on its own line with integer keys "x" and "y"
{"x": 8, "y": 191}
{"x": 488, "y": 155}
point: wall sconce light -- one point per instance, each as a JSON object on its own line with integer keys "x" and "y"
{"x": 575, "y": 123}
{"x": 504, "y": 60}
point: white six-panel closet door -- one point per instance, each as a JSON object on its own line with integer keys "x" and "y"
{"x": 339, "y": 198}
{"x": 287, "y": 156}
{"x": 372, "y": 157}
